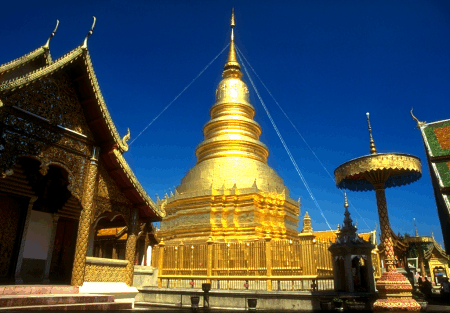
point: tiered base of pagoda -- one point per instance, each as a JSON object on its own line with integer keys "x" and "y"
{"x": 64, "y": 298}
{"x": 394, "y": 291}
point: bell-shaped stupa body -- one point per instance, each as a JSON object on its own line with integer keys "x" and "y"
{"x": 231, "y": 193}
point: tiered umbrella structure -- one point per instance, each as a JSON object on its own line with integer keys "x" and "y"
{"x": 378, "y": 171}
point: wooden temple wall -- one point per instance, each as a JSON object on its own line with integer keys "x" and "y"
{"x": 256, "y": 265}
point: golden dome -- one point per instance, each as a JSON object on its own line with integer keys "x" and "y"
{"x": 231, "y": 152}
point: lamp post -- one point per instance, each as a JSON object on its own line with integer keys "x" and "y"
{"x": 378, "y": 171}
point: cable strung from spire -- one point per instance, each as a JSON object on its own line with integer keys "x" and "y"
{"x": 298, "y": 132}
{"x": 283, "y": 142}
{"x": 185, "y": 88}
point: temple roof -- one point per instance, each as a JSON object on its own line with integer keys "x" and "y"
{"x": 436, "y": 139}
{"x": 25, "y": 64}
{"x": 435, "y": 250}
{"x": 77, "y": 65}
{"x": 331, "y": 235}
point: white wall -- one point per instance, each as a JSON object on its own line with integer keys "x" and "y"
{"x": 38, "y": 236}
{"x": 149, "y": 256}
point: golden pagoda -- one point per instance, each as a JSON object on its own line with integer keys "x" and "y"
{"x": 231, "y": 193}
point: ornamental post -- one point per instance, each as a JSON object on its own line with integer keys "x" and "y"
{"x": 209, "y": 260}
{"x": 130, "y": 250}
{"x": 88, "y": 205}
{"x": 269, "y": 262}
{"x": 160, "y": 262}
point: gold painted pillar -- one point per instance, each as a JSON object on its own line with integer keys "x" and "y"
{"x": 209, "y": 260}
{"x": 130, "y": 250}
{"x": 87, "y": 203}
{"x": 269, "y": 262}
{"x": 160, "y": 262}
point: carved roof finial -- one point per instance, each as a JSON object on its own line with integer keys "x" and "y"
{"x": 51, "y": 35}
{"x": 125, "y": 140}
{"x": 419, "y": 123}
{"x": 89, "y": 33}
{"x": 373, "y": 150}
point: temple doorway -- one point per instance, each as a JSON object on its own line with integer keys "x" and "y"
{"x": 40, "y": 220}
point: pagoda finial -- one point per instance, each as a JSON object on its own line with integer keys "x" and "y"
{"x": 373, "y": 150}
{"x": 51, "y": 35}
{"x": 232, "y": 24}
{"x": 415, "y": 228}
{"x": 232, "y": 68}
{"x": 89, "y": 33}
{"x": 345, "y": 201}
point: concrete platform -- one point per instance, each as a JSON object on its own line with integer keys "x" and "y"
{"x": 236, "y": 299}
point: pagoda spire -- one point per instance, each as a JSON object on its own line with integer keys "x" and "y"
{"x": 232, "y": 68}
{"x": 348, "y": 222}
{"x": 373, "y": 150}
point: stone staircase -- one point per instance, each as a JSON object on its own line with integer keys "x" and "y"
{"x": 64, "y": 298}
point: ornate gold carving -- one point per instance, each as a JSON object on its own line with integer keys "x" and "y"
{"x": 54, "y": 99}
{"x": 105, "y": 273}
{"x": 383, "y": 161}
{"x": 108, "y": 189}
{"x": 74, "y": 164}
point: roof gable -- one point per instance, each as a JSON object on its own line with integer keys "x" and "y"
{"x": 77, "y": 67}
{"x": 25, "y": 64}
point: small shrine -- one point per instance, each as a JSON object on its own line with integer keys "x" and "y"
{"x": 352, "y": 262}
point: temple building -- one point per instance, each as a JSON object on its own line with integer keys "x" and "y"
{"x": 436, "y": 140}
{"x": 63, "y": 175}
{"x": 231, "y": 192}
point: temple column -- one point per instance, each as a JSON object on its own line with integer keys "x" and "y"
{"x": 87, "y": 203}
{"x": 50, "y": 249}
{"x": 17, "y": 278}
{"x": 130, "y": 250}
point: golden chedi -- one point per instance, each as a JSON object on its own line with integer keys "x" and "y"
{"x": 231, "y": 193}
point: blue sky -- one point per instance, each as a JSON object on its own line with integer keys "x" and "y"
{"x": 326, "y": 62}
